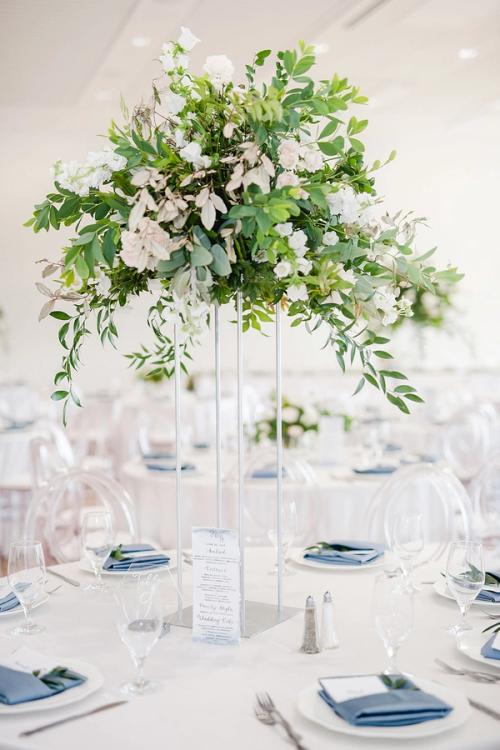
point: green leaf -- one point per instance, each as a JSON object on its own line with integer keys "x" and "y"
{"x": 303, "y": 65}
{"x": 81, "y": 268}
{"x": 330, "y": 128}
{"x": 60, "y": 315}
{"x": 382, "y": 354}
{"x": 200, "y": 256}
{"x": 332, "y": 148}
{"x": 414, "y": 397}
{"x": 220, "y": 264}
{"x": 59, "y": 395}
{"x": 109, "y": 248}
{"x": 393, "y": 374}
{"x": 261, "y": 56}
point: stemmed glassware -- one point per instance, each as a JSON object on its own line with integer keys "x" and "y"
{"x": 392, "y": 608}
{"x": 288, "y": 534}
{"x": 27, "y": 577}
{"x": 97, "y": 543}
{"x": 140, "y": 622}
{"x": 465, "y": 578}
{"x": 408, "y": 542}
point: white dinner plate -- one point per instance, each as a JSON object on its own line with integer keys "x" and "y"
{"x": 85, "y": 565}
{"x": 19, "y": 610}
{"x": 471, "y": 642}
{"x": 441, "y": 588}
{"x": 91, "y": 685}
{"x": 316, "y": 710}
{"x": 298, "y": 557}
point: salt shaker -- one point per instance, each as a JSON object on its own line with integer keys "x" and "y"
{"x": 328, "y": 635}
{"x": 310, "y": 643}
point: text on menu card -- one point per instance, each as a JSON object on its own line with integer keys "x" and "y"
{"x": 216, "y": 586}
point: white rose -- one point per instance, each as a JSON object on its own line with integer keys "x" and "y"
{"x": 287, "y": 179}
{"x": 295, "y": 430}
{"x": 180, "y": 141}
{"x": 284, "y": 230}
{"x": 283, "y": 269}
{"x": 289, "y": 413}
{"x": 174, "y": 103}
{"x": 220, "y": 70}
{"x": 297, "y": 292}
{"x": 298, "y": 241}
{"x": 288, "y": 154}
{"x": 192, "y": 153}
{"x": 347, "y": 276}
{"x": 330, "y": 238}
{"x": 304, "y": 265}
{"x": 312, "y": 159}
{"x": 187, "y": 40}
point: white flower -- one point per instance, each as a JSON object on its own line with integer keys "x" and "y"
{"x": 283, "y": 269}
{"x": 353, "y": 208}
{"x": 330, "y": 238}
{"x": 187, "y": 40}
{"x": 287, "y": 179}
{"x": 106, "y": 159}
{"x": 404, "y": 306}
{"x": 192, "y": 153}
{"x": 384, "y": 299}
{"x": 174, "y": 103}
{"x": 284, "y": 230}
{"x": 304, "y": 265}
{"x": 312, "y": 159}
{"x": 295, "y": 430}
{"x": 148, "y": 244}
{"x": 297, "y": 292}
{"x": 257, "y": 176}
{"x": 288, "y": 154}
{"x": 180, "y": 141}
{"x": 289, "y": 413}
{"x": 102, "y": 283}
{"x": 220, "y": 70}
{"x": 347, "y": 276}
{"x": 98, "y": 168}
{"x": 298, "y": 242}
{"x": 171, "y": 59}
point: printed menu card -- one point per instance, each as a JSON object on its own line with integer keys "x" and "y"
{"x": 216, "y": 586}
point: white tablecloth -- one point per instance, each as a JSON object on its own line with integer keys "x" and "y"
{"x": 208, "y": 691}
{"x": 335, "y": 506}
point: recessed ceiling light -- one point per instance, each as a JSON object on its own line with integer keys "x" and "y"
{"x": 320, "y": 47}
{"x": 104, "y": 95}
{"x": 141, "y": 41}
{"x": 468, "y": 53}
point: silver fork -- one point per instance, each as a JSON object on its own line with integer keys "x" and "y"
{"x": 478, "y": 676}
{"x": 53, "y": 591}
{"x": 267, "y": 713}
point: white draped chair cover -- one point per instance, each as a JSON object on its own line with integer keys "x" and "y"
{"x": 55, "y": 515}
{"x": 431, "y": 491}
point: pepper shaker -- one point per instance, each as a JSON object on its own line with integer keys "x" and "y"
{"x": 328, "y": 635}
{"x": 310, "y": 643}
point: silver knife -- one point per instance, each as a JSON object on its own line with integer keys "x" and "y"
{"x": 484, "y": 709}
{"x": 71, "y": 581}
{"x": 42, "y": 728}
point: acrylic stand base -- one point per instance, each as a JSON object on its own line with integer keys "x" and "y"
{"x": 258, "y": 617}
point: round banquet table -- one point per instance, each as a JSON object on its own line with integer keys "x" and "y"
{"x": 207, "y": 694}
{"x": 334, "y": 507}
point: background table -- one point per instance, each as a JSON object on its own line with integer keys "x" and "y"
{"x": 208, "y": 691}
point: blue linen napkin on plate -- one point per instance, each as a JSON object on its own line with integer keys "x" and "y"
{"x": 268, "y": 471}
{"x": 401, "y": 705}
{"x": 375, "y": 470}
{"x": 168, "y": 467}
{"x": 20, "y": 687}
{"x": 344, "y": 552}
{"x": 488, "y": 595}
{"x": 9, "y": 602}
{"x": 135, "y": 557}
{"x": 488, "y": 651}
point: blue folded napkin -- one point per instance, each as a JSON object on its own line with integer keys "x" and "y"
{"x": 135, "y": 557}
{"x": 169, "y": 467}
{"x": 345, "y": 552}
{"x": 21, "y": 687}
{"x": 488, "y": 651}
{"x": 9, "y": 602}
{"x": 269, "y": 471}
{"x": 487, "y": 595}
{"x": 159, "y": 454}
{"x": 376, "y": 470}
{"x": 400, "y": 705}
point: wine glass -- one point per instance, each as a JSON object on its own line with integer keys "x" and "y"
{"x": 465, "y": 578}
{"x": 392, "y": 608}
{"x": 97, "y": 543}
{"x": 289, "y": 530}
{"x": 140, "y": 622}
{"x": 408, "y": 542}
{"x": 27, "y": 578}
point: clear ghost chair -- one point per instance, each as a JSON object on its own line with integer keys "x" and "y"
{"x": 19, "y": 405}
{"x": 485, "y": 493}
{"x": 466, "y": 442}
{"x": 55, "y": 516}
{"x": 430, "y": 492}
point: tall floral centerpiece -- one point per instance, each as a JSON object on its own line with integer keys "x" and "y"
{"x": 215, "y": 188}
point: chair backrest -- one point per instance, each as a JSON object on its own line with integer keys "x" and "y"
{"x": 466, "y": 442}
{"x": 428, "y": 490}
{"x": 485, "y": 494}
{"x": 55, "y": 515}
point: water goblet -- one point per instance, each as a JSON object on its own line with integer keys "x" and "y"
{"x": 288, "y": 533}
{"x": 97, "y": 543}
{"x": 465, "y": 576}
{"x": 140, "y": 623}
{"x": 392, "y": 608}
{"x": 27, "y": 577}
{"x": 408, "y": 542}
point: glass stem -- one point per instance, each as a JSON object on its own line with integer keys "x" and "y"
{"x": 140, "y": 679}
{"x": 392, "y": 653}
{"x": 27, "y": 616}
{"x": 463, "y": 611}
